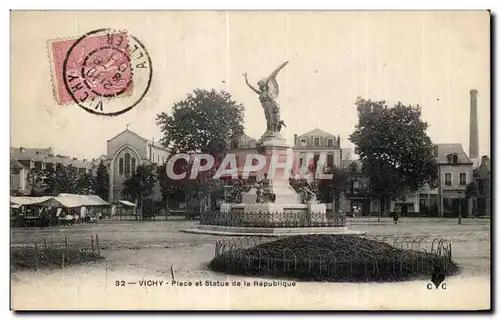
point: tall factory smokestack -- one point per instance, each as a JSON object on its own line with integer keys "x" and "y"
{"x": 473, "y": 134}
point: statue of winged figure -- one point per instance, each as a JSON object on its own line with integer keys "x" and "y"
{"x": 268, "y": 92}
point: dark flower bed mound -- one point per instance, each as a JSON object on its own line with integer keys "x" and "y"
{"x": 53, "y": 257}
{"x": 333, "y": 258}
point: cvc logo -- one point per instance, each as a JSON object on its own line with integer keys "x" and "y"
{"x": 430, "y": 285}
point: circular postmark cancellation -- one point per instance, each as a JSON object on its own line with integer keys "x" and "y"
{"x": 107, "y": 72}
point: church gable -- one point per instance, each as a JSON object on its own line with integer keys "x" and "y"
{"x": 127, "y": 138}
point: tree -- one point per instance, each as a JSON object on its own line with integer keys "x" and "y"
{"x": 62, "y": 180}
{"x": 203, "y": 122}
{"x": 393, "y": 145}
{"x": 169, "y": 188}
{"x": 472, "y": 192}
{"x": 198, "y": 187}
{"x": 85, "y": 184}
{"x": 40, "y": 182}
{"x": 101, "y": 182}
{"x": 141, "y": 184}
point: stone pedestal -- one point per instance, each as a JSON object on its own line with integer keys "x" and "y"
{"x": 277, "y": 149}
{"x": 226, "y": 207}
{"x": 317, "y": 212}
{"x": 250, "y": 196}
{"x": 287, "y": 215}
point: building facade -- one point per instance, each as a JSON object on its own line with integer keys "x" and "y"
{"x": 482, "y": 178}
{"x": 357, "y": 196}
{"x": 22, "y": 160}
{"x": 316, "y": 142}
{"x": 125, "y": 152}
{"x": 455, "y": 173}
{"x": 447, "y": 199}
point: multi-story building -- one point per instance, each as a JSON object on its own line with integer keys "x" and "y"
{"x": 18, "y": 178}
{"x": 447, "y": 199}
{"x": 125, "y": 152}
{"x": 317, "y": 142}
{"x": 455, "y": 173}
{"x": 482, "y": 177}
{"x": 22, "y": 160}
{"x": 357, "y": 196}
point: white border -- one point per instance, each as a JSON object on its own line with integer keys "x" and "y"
{"x": 214, "y": 4}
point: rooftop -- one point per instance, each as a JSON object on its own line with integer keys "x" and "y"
{"x": 446, "y": 149}
{"x": 47, "y": 156}
{"x": 316, "y": 133}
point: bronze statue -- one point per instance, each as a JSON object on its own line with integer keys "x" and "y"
{"x": 308, "y": 196}
{"x": 238, "y": 188}
{"x": 268, "y": 92}
{"x": 265, "y": 190}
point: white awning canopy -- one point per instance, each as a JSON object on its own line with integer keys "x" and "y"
{"x": 63, "y": 200}
{"x": 127, "y": 203}
{"x": 23, "y": 201}
{"x": 76, "y": 200}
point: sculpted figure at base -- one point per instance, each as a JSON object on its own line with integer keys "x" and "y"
{"x": 268, "y": 92}
{"x": 239, "y": 187}
{"x": 308, "y": 196}
{"x": 265, "y": 190}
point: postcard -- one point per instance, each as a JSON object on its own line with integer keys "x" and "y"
{"x": 250, "y": 160}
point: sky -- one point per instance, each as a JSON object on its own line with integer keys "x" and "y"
{"x": 427, "y": 58}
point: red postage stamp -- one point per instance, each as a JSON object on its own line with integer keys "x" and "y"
{"x": 101, "y": 65}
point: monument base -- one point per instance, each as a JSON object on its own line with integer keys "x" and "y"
{"x": 269, "y": 232}
{"x": 285, "y": 215}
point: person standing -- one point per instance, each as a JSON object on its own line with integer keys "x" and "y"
{"x": 395, "y": 216}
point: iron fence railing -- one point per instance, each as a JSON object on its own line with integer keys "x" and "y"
{"x": 243, "y": 255}
{"x": 273, "y": 219}
{"x": 55, "y": 252}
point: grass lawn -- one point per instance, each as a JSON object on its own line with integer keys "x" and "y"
{"x": 156, "y": 245}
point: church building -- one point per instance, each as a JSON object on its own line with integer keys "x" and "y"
{"x": 125, "y": 152}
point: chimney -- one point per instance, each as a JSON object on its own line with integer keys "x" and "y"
{"x": 473, "y": 133}
{"x": 21, "y": 150}
{"x": 435, "y": 151}
{"x": 294, "y": 138}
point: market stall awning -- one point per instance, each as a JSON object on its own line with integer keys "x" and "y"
{"x": 24, "y": 201}
{"x": 127, "y": 203}
{"x": 76, "y": 200}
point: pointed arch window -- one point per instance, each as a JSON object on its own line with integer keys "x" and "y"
{"x": 120, "y": 166}
{"x": 133, "y": 164}
{"x": 127, "y": 163}
{"x": 354, "y": 167}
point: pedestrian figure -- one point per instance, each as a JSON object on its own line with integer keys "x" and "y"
{"x": 395, "y": 216}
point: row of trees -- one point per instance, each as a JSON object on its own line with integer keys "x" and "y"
{"x": 391, "y": 141}
{"x": 67, "y": 180}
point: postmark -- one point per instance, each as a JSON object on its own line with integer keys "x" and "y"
{"x": 105, "y": 72}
